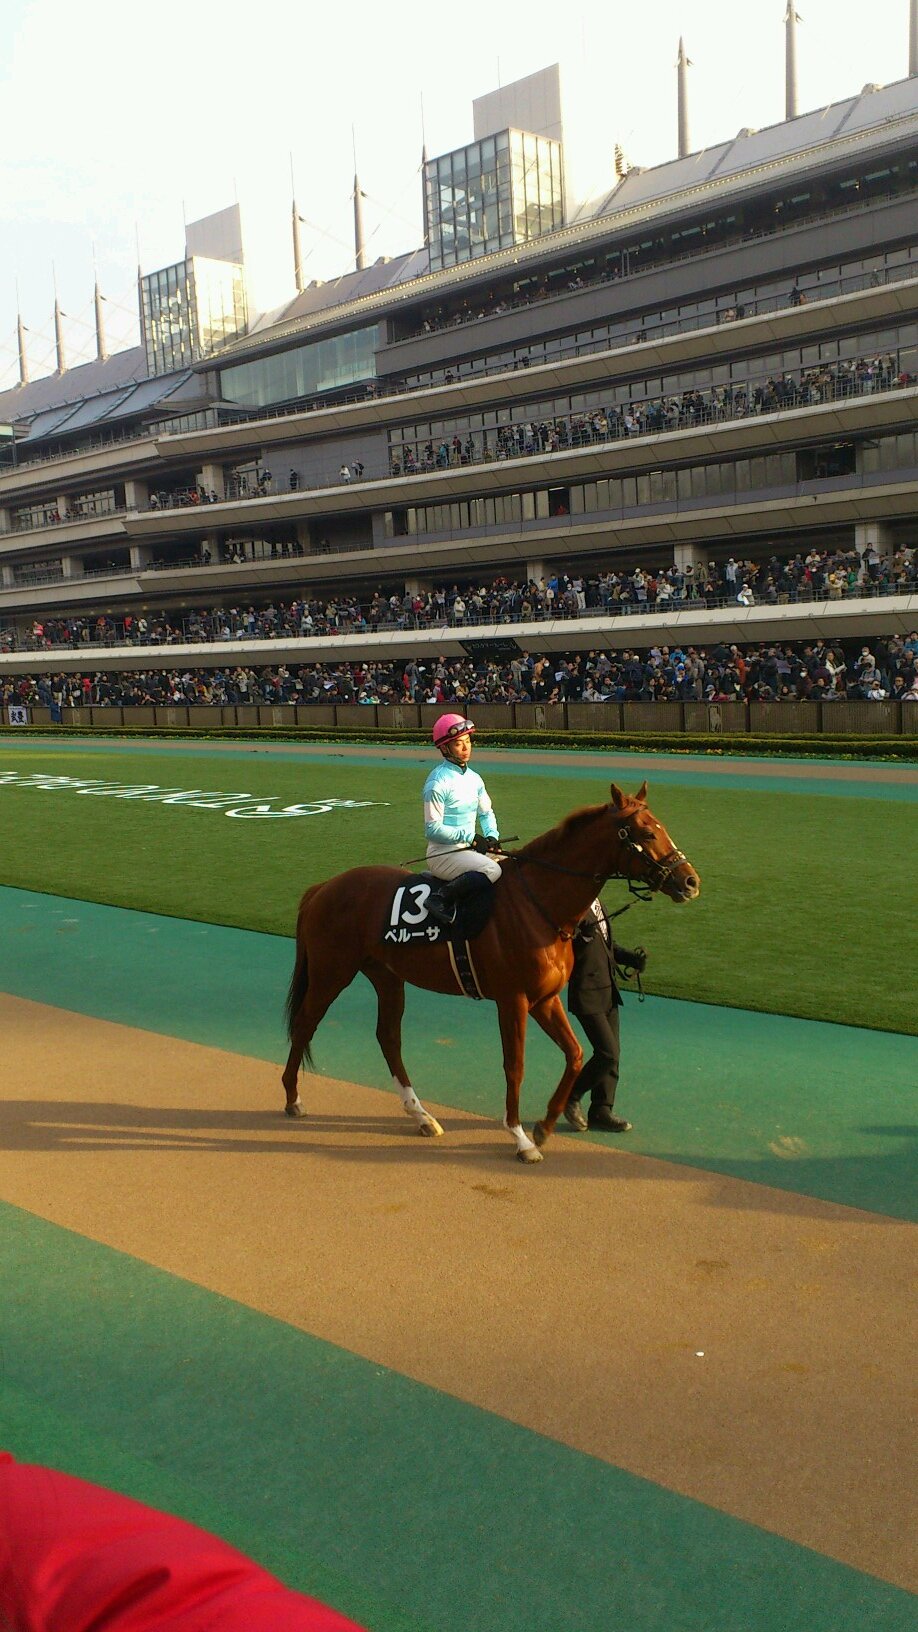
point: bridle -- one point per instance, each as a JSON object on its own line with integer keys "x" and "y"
{"x": 659, "y": 872}
{"x": 661, "y": 868}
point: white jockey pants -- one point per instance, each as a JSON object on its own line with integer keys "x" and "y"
{"x": 444, "y": 862}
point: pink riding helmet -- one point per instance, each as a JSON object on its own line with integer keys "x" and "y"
{"x": 450, "y": 726}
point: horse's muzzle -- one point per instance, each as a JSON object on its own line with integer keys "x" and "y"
{"x": 683, "y": 884}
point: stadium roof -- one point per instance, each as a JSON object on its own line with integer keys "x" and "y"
{"x": 870, "y": 115}
{"x": 875, "y": 117}
{"x": 102, "y": 407}
{"x": 870, "y": 120}
{"x": 373, "y": 280}
{"x": 74, "y": 386}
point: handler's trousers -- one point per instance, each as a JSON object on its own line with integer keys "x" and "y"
{"x": 599, "y": 1077}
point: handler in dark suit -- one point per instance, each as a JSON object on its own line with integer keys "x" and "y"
{"x": 593, "y": 996}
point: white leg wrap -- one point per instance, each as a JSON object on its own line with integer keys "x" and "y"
{"x": 523, "y": 1141}
{"x": 412, "y": 1107}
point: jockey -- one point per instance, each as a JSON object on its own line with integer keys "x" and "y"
{"x": 455, "y": 799}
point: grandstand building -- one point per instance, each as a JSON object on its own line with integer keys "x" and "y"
{"x": 714, "y": 357}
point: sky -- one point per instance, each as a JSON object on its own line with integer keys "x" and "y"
{"x": 121, "y": 120}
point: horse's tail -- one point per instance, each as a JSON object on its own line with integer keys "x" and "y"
{"x": 299, "y": 982}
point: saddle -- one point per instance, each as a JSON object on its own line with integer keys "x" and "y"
{"x": 417, "y": 911}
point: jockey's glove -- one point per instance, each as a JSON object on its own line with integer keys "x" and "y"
{"x": 636, "y": 960}
{"x": 483, "y": 845}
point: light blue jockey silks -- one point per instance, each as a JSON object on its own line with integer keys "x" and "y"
{"x": 454, "y": 797}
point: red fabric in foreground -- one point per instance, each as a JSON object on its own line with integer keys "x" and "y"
{"x": 75, "y": 1557}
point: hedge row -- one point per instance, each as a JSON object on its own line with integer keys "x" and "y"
{"x": 806, "y": 747}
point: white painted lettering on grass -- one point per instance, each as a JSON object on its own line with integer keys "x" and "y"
{"x": 253, "y": 806}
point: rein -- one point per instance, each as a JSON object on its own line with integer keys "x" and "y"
{"x": 644, "y": 889}
{"x": 562, "y": 934}
{"x": 599, "y": 878}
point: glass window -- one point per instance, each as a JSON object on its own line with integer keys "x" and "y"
{"x": 493, "y": 193}
{"x": 304, "y": 371}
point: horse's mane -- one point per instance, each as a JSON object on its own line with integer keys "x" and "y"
{"x": 569, "y": 828}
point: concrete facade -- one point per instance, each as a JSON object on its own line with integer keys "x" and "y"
{"x": 840, "y": 285}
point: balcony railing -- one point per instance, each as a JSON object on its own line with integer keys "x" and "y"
{"x": 522, "y": 438}
{"x": 23, "y": 524}
{"x": 238, "y": 413}
{"x": 163, "y": 631}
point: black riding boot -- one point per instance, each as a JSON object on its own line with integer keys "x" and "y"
{"x": 444, "y": 906}
{"x": 441, "y": 908}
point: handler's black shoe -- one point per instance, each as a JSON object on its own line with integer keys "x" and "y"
{"x": 574, "y": 1115}
{"x": 602, "y": 1120}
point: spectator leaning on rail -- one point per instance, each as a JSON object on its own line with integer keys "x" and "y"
{"x": 455, "y": 800}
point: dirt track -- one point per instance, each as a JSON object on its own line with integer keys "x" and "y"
{"x": 710, "y": 764}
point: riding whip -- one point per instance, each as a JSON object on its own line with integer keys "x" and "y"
{"x": 512, "y": 838}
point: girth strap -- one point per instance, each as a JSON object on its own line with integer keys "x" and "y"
{"x": 460, "y": 956}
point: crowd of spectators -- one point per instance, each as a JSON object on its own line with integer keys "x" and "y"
{"x": 534, "y": 291}
{"x": 255, "y": 483}
{"x": 805, "y": 576}
{"x": 519, "y": 438}
{"x": 514, "y": 439}
{"x": 827, "y": 382}
{"x": 881, "y": 668}
{"x": 498, "y": 301}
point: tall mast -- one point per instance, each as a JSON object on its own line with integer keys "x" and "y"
{"x": 682, "y": 67}
{"x": 360, "y": 253}
{"x": 791, "y": 20}
{"x": 297, "y": 246}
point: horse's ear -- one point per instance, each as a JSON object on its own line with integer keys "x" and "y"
{"x": 641, "y": 795}
{"x": 618, "y": 798}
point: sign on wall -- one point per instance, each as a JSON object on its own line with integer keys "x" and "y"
{"x": 17, "y": 714}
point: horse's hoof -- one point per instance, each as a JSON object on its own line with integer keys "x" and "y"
{"x": 529, "y": 1156}
{"x": 295, "y": 1109}
{"x": 430, "y": 1128}
{"x": 540, "y": 1134}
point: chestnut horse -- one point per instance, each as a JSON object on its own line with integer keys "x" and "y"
{"x": 522, "y": 958}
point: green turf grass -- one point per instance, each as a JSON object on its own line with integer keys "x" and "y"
{"x": 809, "y": 903}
